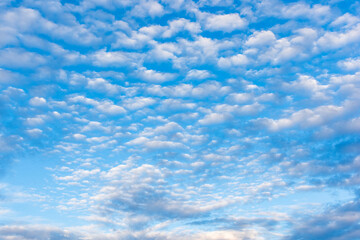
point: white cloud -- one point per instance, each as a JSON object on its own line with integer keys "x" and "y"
{"x": 261, "y": 38}
{"x": 214, "y": 118}
{"x": 215, "y": 2}
{"x": 224, "y": 23}
{"x": 23, "y": 19}
{"x": 138, "y": 102}
{"x": 200, "y": 51}
{"x": 12, "y": 92}
{"x": 108, "y": 107}
{"x": 179, "y": 25}
{"x": 101, "y": 85}
{"x": 164, "y": 51}
{"x": 146, "y": 145}
{"x": 239, "y": 109}
{"x": 149, "y": 193}
{"x": 198, "y": 74}
{"x": 156, "y": 145}
{"x": 306, "y": 117}
{"x": 33, "y": 121}
{"x": 167, "y": 129}
{"x": 37, "y": 101}
{"x": 35, "y": 132}
{"x": 175, "y": 105}
{"x": 148, "y": 8}
{"x": 97, "y": 139}
{"x": 150, "y": 75}
{"x": 8, "y": 77}
{"x": 228, "y": 235}
{"x": 298, "y": 46}
{"x": 211, "y": 88}
{"x": 135, "y": 41}
{"x": 233, "y": 61}
{"x": 9, "y": 36}
{"x": 347, "y": 20}
{"x": 105, "y": 106}
{"x": 240, "y": 97}
{"x": 307, "y": 85}
{"x": 104, "y": 58}
{"x": 78, "y": 175}
{"x": 349, "y": 126}
{"x": 79, "y": 136}
{"x": 350, "y": 64}
{"x": 334, "y": 40}
{"x": 20, "y": 58}
{"x": 301, "y": 9}
{"x": 138, "y": 39}
{"x": 138, "y": 141}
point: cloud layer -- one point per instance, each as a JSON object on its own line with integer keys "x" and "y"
{"x": 210, "y": 119}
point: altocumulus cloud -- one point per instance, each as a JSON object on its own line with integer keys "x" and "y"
{"x": 160, "y": 119}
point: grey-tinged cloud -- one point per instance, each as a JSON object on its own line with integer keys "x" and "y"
{"x": 20, "y": 58}
{"x": 32, "y": 232}
{"x": 337, "y": 222}
{"x": 8, "y": 77}
{"x": 22, "y": 19}
{"x": 144, "y": 190}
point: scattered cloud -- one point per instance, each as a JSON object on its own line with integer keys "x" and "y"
{"x": 160, "y": 119}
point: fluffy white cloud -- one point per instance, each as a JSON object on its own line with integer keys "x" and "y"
{"x": 107, "y": 106}
{"x": 78, "y": 175}
{"x": 211, "y": 88}
{"x": 224, "y": 23}
{"x": 261, "y": 38}
{"x": 350, "y": 64}
{"x": 197, "y": 52}
{"x": 148, "y": 8}
{"x": 233, "y": 61}
{"x": 168, "y": 105}
{"x": 305, "y": 118}
{"x": 347, "y": 20}
{"x": 334, "y": 40}
{"x": 37, "y": 101}
{"x": 302, "y": 10}
{"x": 198, "y": 74}
{"x": 179, "y": 25}
{"x": 101, "y": 85}
{"x": 23, "y": 19}
{"x": 215, "y": 2}
{"x": 167, "y": 129}
{"x": 297, "y": 47}
{"x": 240, "y": 97}
{"x": 35, "y": 132}
{"x": 214, "y": 118}
{"x": 150, "y": 75}
{"x": 138, "y": 102}
{"x": 308, "y": 86}
{"x": 105, "y": 58}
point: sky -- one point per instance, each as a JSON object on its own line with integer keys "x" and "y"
{"x": 179, "y": 120}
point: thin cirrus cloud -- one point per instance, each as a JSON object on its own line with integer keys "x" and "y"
{"x": 182, "y": 119}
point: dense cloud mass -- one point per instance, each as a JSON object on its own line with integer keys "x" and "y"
{"x": 179, "y": 119}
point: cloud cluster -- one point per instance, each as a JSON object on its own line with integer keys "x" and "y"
{"x": 160, "y": 119}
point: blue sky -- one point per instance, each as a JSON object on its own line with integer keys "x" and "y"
{"x": 209, "y": 119}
